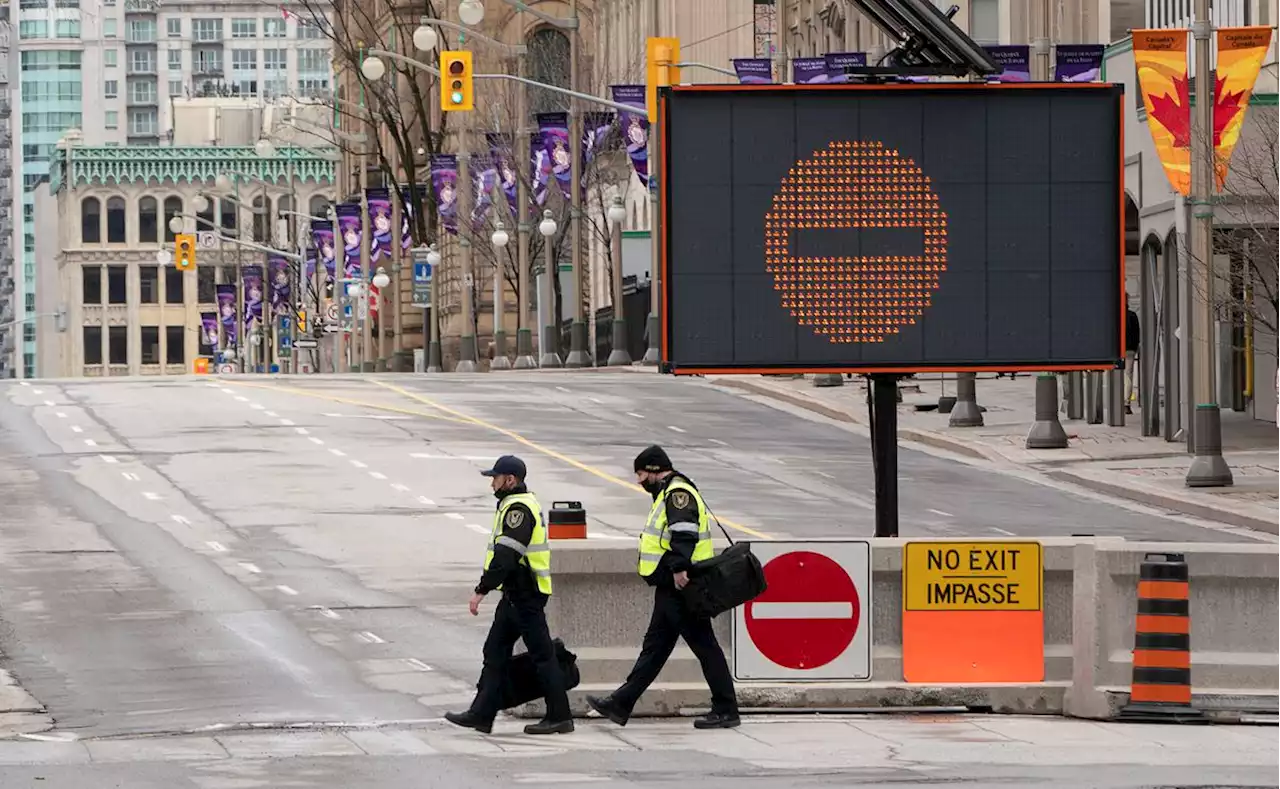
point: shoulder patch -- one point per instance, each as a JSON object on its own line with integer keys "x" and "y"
{"x": 514, "y": 518}
{"x": 680, "y": 499}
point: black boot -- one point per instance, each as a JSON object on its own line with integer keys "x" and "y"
{"x": 550, "y": 727}
{"x": 469, "y": 720}
{"x": 718, "y": 720}
{"x": 607, "y": 708}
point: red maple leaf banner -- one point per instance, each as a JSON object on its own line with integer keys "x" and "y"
{"x": 1174, "y": 112}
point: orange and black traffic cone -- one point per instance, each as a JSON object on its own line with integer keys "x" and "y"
{"x": 1161, "y": 689}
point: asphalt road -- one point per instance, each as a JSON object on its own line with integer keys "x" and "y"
{"x": 193, "y": 555}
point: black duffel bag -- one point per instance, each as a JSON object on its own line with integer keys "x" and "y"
{"x": 521, "y": 685}
{"x": 725, "y": 581}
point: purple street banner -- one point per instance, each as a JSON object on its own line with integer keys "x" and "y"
{"x": 326, "y": 248}
{"x": 809, "y": 71}
{"x": 252, "y": 278}
{"x": 278, "y": 271}
{"x": 406, "y": 218}
{"x": 484, "y": 177}
{"x": 1014, "y": 61}
{"x": 838, "y": 61}
{"x": 554, "y": 129}
{"x": 753, "y": 71}
{"x": 508, "y": 177}
{"x": 540, "y": 165}
{"x": 1077, "y": 62}
{"x": 379, "y": 201}
{"x": 444, "y": 184}
{"x": 596, "y": 127}
{"x": 634, "y": 128}
{"x": 227, "y": 313}
{"x": 349, "y": 229}
{"x": 209, "y": 329}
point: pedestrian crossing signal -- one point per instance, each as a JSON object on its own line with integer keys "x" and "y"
{"x": 184, "y": 251}
{"x": 456, "y": 81}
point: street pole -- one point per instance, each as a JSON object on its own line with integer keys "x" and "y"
{"x": 365, "y": 315}
{"x": 397, "y": 267}
{"x": 524, "y": 337}
{"x": 435, "y": 362}
{"x": 550, "y": 358}
{"x": 619, "y": 355}
{"x": 1208, "y": 468}
{"x": 499, "y": 360}
{"x": 780, "y": 38}
{"x": 467, "y": 349}
{"x": 578, "y": 330}
{"x": 652, "y": 355}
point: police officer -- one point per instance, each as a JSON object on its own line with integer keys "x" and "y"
{"x": 677, "y": 534}
{"x": 519, "y": 563}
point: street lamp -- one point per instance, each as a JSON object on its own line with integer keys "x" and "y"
{"x": 434, "y": 363}
{"x": 425, "y": 38}
{"x": 163, "y": 256}
{"x": 223, "y": 182}
{"x": 618, "y": 354}
{"x": 547, "y": 227}
{"x": 381, "y": 280}
{"x": 200, "y": 203}
{"x": 471, "y": 12}
{"x": 499, "y": 360}
{"x": 373, "y": 68}
{"x": 264, "y": 148}
{"x": 176, "y": 224}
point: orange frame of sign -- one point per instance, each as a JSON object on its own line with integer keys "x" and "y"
{"x": 664, "y": 212}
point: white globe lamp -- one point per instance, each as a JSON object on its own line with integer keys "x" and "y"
{"x": 381, "y": 280}
{"x": 617, "y": 212}
{"x": 425, "y": 38}
{"x": 264, "y": 148}
{"x": 433, "y": 256}
{"x": 356, "y": 290}
{"x": 471, "y": 12}
{"x": 547, "y": 226}
{"x": 500, "y": 237}
{"x": 164, "y": 257}
{"x": 176, "y": 224}
{"x": 200, "y": 203}
{"x": 223, "y": 181}
{"x": 373, "y": 68}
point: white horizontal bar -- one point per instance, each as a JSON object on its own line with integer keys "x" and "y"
{"x": 802, "y": 610}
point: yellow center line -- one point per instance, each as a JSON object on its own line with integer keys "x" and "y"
{"x": 347, "y": 401}
{"x": 461, "y": 417}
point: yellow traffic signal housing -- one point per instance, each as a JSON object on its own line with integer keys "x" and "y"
{"x": 184, "y": 251}
{"x": 661, "y": 54}
{"x": 456, "y": 81}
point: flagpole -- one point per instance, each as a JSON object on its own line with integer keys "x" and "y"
{"x": 1208, "y": 468}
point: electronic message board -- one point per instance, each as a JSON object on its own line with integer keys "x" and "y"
{"x": 891, "y": 228}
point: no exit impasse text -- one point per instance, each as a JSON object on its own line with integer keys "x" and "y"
{"x": 981, "y": 576}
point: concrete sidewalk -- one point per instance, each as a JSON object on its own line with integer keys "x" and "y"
{"x": 1118, "y": 461}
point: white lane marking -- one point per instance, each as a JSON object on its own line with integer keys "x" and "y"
{"x": 843, "y": 610}
{"x": 1001, "y": 531}
{"x": 558, "y": 778}
{"x": 377, "y": 475}
{"x": 272, "y": 414}
{"x": 425, "y": 456}
{"x": 77, "y": 429}
{"x": 225, "y": 390}
{"x": 718, "y": 441}
{"x": 287, "y": 422}
{"x": 369, "y": 416}
{"x": 596, "y": 400}
{"x": 453, "y": 516}
{"x": 105, "y": 458}
{"x": 60, "y": 414}
{"x": 149, "y": 496}
{"x": 28, "y": 383}
{"x": 251, "y": 567}
{"x": 562, "y": 388}
{"x": 302, "y": 431}
{"x": 426, "y": 501}
{"x": 328, "y": 613}
{"x": 241, "y": 399}
{"x": 89, "y": 442}
{"x": 337, "y": 452}
{"x": 677, "y": 429}
{"x": 825, "y": 474}
{"x": 477, "y": 528}
{"x": 181, "y": 519}
{"x": 49, "y": 403}
{"x": 371, "y": 638}
{"x": 129, "y": 475}
{"x": 941, "y": 512}
{"x": 359, "y": 464}
{"x": 400, "y": 487}
{"x": 289, "y": 590}
{"x": 418, "y": 664}
{"x": 217, "y": 546}
{"x": 316, "y": 441}
{"x": 637, "y": 416}
{"x": 257, "y": 407}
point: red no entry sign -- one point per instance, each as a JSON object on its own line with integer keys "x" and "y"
{"x": 812, "y": 621}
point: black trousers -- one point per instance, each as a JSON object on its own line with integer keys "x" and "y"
{"x": 670, "y": 622}
{"x": 522, "y": 617}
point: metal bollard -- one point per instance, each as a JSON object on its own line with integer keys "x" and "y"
{"x": 1115, "y": 398}
{"x": 965, "y": 412}
{"x": 1093, "y": 397}
{"x": 1075, "y": 395}
{"x": 1047, "y": 432}
{"x": 1208, "y": 468}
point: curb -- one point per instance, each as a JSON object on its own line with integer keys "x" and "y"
{"x": 1167, "y": 501}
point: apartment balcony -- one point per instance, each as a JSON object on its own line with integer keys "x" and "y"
{"x": 207, "y": 69}
{"x": 141, "y": 6}
{"x": 141, "y": 70}
{"x": 6, "y": 111}
{"x": 151, "y": 100}
{"x": 141, "y": 41}
{"x": 6, "y": 169}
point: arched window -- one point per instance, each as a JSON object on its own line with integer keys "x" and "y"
{"x": 261, "y": 210}
{"x": 147, "y": 221}
{"x": 228, "y": 215}
{"x": 319, "y": 206}
{"x": 115, "y": 221}
{"x": 90, "y": 221}
{"x": 548, "y": 61}
{"x": 172, "y": 208}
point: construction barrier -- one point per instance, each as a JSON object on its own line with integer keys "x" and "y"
{"x": 1161, "y": 687}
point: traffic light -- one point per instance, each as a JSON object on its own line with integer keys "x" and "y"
{"x": 456, "y": 81}
{"x": 661, "y": 53}
{"x": 184, "y": 251}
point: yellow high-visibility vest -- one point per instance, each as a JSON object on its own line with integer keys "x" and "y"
{"x": 537, "y": 554}
{"x": 655, "y": 540}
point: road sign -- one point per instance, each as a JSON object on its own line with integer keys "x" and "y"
{"x": 206, "y": 239}
{"x": 331, "y": 313}
{"x": 813, "y": 623}
{"x": 421, "y": 279}
{"x": 304, "y": 343}
{"x": 971, "y": 576}
{"x": 226, "y": 369}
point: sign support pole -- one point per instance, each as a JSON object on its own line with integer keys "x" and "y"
{"x": 884, "y": 451}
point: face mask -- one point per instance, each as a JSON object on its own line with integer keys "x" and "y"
{"x": 653, "y": 486}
